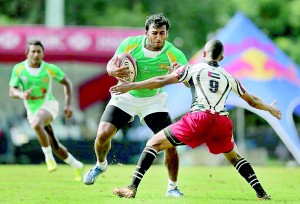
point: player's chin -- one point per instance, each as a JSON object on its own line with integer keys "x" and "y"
{"x": 37, "y": 60}
{"x": 158, "y": 46}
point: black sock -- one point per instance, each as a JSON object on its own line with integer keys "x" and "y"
{"x": 246, "y": 171}
{"x": 145, "y": 161}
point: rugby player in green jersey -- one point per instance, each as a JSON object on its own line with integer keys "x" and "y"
{"x": 31, "y": 81}
{"x": 154, "y": 56}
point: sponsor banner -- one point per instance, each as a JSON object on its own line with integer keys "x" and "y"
{"x": 64, "y": 44}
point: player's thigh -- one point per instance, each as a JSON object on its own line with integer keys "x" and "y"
{"x": 158, "y": 121}
{"x": 41, "y": 118}
{"x": 115, "y": 116}
{"x": 220, "y": 139}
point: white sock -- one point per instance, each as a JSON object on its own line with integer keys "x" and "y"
{"x": 172, "y": 185}
{"x": 48, "y": 153}
{"x": 102, "y": 165}
{"x": 73, "y": 162}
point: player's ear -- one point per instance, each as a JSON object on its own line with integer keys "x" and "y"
{"x": 221, "y": 58}
{"x": 204, "y": 53}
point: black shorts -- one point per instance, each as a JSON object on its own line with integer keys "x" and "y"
{"x": 155, "y": 121}
{"x": 115, "y": 116}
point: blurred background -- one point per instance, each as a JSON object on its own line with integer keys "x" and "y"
{"x": 81, "y": 36}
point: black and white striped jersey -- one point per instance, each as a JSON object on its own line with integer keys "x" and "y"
{"x": 210, "y": 86}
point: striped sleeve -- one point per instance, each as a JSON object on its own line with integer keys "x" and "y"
{"x": 183, "y": 73}
{"x": 237, "y": 87}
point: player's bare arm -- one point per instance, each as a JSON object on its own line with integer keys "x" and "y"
{"x": 115, "y": 71}
{"x": 257, "y": 103}
{"x": 14, "y": 92}
{"x": 68, "y": 96}
{"x": 155, "y": 82}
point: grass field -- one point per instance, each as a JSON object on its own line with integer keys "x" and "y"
{"x": 33, "y": 184}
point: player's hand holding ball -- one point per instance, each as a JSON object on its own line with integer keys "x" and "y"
{"x": 124, "y": 68}
{"x": 117, "y": 71}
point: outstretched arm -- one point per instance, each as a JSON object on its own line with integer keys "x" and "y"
{"x": 155, "y": 82}
{"x": 257, "y": 103}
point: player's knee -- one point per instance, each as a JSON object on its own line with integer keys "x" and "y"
{"x": 104, "y": 136}
{"x": 105, "y": 132}
{"x": 155, "y": 147}
{"x": 152, "y": 142}
{"x": 36, "y": 124}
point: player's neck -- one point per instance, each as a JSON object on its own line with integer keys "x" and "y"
{"x": 35, "y": 65}
{"x": 213, "y": 63}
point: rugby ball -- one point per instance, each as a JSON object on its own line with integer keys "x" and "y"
{"x": 125, "y": 59}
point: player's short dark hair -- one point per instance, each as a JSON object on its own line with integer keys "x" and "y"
{"x": 216, "y": 48}
{"x": 158, "y": 19}
{"x": 34, "y": 42}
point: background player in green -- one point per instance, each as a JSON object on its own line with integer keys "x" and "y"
{"x": 31, "y": 81}
{"x": 154, "y": 56}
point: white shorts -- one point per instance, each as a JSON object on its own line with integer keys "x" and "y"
{"x": 50, "y": 106}
{"x": 140, "y": 106}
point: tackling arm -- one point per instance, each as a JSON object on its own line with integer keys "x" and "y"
{"x": 155, "y": 82}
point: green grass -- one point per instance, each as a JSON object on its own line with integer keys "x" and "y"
{"x": 33, "y": 184}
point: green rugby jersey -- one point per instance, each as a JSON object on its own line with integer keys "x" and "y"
{"x": 150, "y": 64}
{"x": 39, "y": 79}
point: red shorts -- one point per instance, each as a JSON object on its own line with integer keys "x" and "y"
{"x": 197, "y": 128}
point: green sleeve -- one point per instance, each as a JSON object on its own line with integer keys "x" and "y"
{"x": 122, "y": 47}
{"x": 14, "y": 79}
{"x": 59, "y": 74}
